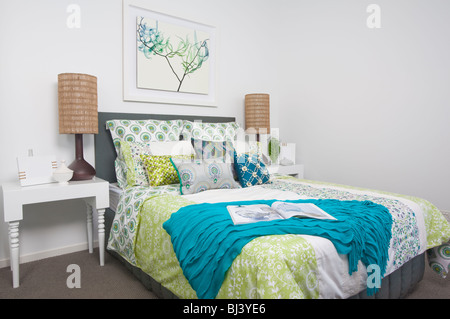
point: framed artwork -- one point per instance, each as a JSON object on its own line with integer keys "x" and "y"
{"x": 167, "y": 59}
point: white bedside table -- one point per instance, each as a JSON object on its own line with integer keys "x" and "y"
{"x": 94, "y": 192}
{"x": 296, "y": 170}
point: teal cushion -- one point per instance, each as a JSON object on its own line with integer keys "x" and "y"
{"x": 251, "y": 170}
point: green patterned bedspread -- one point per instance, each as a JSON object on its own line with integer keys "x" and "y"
{"x": 276, "y": 258}
{"x": 281, "y": 266}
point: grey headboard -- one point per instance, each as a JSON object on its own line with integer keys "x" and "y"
{"x": 105, "y": 153}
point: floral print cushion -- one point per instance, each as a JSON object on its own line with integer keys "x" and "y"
{"x": 198, "y": 175}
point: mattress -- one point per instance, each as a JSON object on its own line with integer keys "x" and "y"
{"x": 114, "y": 196}
{"x": 419, "y": 226}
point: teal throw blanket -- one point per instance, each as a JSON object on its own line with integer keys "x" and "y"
{"x": 206, "y": 241}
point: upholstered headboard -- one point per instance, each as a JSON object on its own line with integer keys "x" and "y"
{"x": 105, "y": 153}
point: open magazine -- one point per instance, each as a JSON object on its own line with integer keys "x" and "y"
{"x": 245, "y": 214}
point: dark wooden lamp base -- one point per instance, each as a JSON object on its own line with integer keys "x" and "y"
{"x": 82, "y": 170}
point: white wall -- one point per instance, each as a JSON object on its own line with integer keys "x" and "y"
{"x": 365, "y": 107}
{"x": 370, "y": 106}
{"x": 37, "y": 45}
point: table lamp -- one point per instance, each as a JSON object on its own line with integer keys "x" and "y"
{"x": 77, "y": 106}
{"x": 257, "y": 113}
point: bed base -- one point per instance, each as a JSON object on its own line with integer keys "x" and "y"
{"x": 149, "y": 283}
{"x": 399, "y": 283}
{"x": 395, "y": 286}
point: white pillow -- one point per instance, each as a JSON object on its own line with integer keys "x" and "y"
{"x": 171, "y": 148}
{"x": 249, "y": 147}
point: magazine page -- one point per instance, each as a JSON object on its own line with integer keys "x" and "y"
{"x": 305, "y": 210}
{"x": 245, "y": 214}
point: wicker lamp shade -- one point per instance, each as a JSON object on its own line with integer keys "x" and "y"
{"x": 77, "y": 106}
{"x": 257, "y": 112}
{"x": 77, "y": 103}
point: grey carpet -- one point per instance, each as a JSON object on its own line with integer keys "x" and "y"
{"x": 47, "y": 279}
{"x": 432, "y": 286}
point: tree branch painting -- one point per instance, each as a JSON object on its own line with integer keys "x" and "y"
{"x": 171, "y": 58}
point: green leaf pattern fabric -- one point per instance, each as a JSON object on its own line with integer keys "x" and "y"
{"x": 210, "y": 131}
{"x": 135, "y": 171}
{"x": 268, "y": 267}
{"x": 126, "y": 220}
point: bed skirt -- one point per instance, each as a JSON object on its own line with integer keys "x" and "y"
{"x": 395, "y": 286}
{"x": 399, "y": 283}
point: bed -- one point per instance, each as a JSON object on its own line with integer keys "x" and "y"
{"x": 272, "y": 266}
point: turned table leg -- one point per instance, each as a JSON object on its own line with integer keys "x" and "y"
{"x": 89, "y": 228}
{"x": 101, "y": 235}
{"x": 14, "y": 251}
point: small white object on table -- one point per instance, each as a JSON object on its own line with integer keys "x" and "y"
{"x": 296, "y": 170}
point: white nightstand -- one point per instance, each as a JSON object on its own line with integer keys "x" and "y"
{"x": 295, "y": 170}
{"x": 94, "y": 192}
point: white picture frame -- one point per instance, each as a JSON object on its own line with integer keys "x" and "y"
{"x": 35, "y": 170}
{"x": 132, "y": 9}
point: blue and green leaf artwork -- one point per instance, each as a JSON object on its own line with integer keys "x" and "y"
{"x": 172, "y": 57}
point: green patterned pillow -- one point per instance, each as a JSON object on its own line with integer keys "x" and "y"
{"x": 141, "y": 131}
{"x": 160, "y": 170}
{"x": 144, "y": 131}
{"x": 210, "y": 131}
{"x": 131, "y": 152}
{"x": 121, "y": 172}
